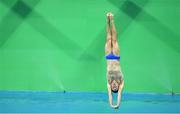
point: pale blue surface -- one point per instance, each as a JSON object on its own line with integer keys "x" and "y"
{"x": 21, "y": 101}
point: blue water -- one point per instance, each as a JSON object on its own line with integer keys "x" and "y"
{"x": 28, "y": 101}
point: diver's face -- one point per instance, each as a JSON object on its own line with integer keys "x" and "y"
{"x": 114, "y": 86}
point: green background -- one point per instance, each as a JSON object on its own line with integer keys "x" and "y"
{"x": 56, "y": 45}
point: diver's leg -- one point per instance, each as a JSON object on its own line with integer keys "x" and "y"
{"x": 115, "y": 48}
{"x": 108, "y": 44}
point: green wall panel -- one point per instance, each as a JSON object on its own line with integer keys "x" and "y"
{"x": 57, "y": 45}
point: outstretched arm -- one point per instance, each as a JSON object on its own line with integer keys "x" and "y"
{"x": 110, "y": 96}
{"x": 120, "y": 94}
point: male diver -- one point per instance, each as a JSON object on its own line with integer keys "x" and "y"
{"x": 115, "y": 79}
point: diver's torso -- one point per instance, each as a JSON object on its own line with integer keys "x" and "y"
{"x": 114, "y": 70}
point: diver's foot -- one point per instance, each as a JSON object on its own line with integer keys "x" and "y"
{"x": 110, "y": 15}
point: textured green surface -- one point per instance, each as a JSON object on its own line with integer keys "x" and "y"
{"x": 56, "y": 45}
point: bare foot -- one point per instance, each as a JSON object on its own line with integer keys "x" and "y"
{"x": 110, "y": 15}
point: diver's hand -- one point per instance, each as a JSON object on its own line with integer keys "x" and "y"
{"x": 115, "y": 106}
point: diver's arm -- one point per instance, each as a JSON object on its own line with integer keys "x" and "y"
{"x": 120, "y": 94}
{"x": 110, "y": 96}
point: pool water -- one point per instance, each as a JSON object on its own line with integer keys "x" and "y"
{"x": 31, "y": 101}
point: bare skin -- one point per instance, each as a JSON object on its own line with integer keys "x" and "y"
{"x": 113, "y": 65}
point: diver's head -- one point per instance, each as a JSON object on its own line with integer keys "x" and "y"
{"x": 114, "y": 86}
